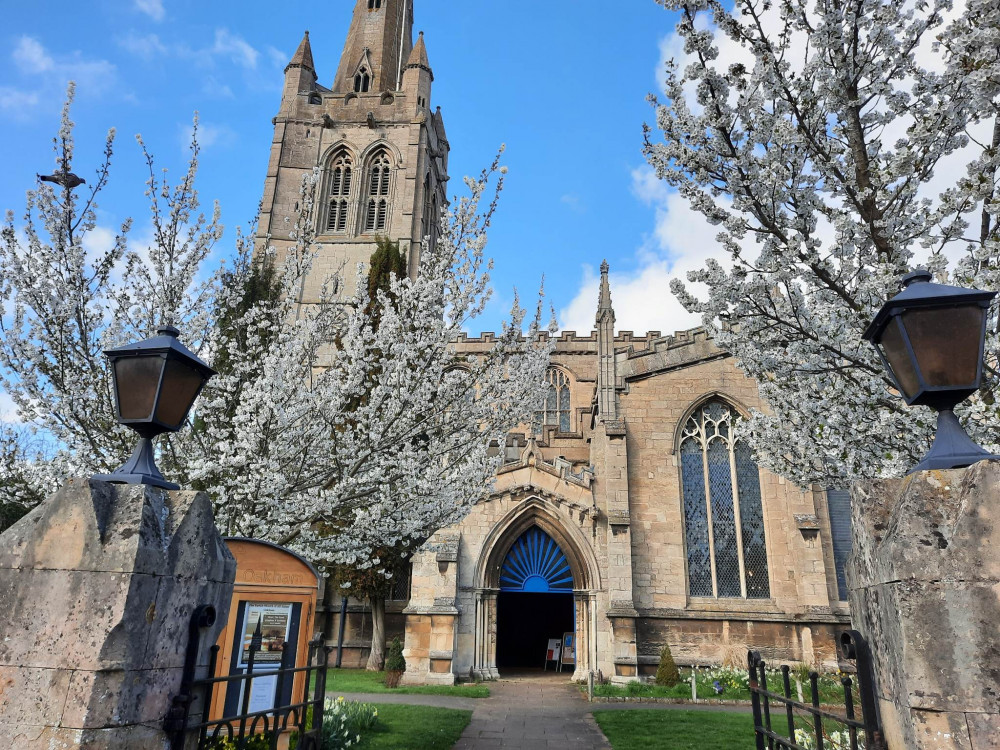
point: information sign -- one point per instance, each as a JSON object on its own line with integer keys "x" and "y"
{"x": 275, "y": 620}
{"x": 569, "y": 648}
{"x": 552, "y": 651}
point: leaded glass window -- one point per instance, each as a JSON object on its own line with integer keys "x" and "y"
{"x": 556, "y": 408}
{"x": 340, "y": 193}
{"x": 723, "y": 513}
{"x": 377, "y": 209}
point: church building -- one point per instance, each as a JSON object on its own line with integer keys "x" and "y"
{"x": 630, "y": 516}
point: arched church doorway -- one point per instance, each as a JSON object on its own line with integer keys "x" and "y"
{"x": 535, "y": 603}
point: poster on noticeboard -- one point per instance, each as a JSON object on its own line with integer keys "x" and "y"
{"x": 275, "y": 624}
{"x": 569, "y": 648}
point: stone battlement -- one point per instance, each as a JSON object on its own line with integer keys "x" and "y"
{"x": 637, "y": 345}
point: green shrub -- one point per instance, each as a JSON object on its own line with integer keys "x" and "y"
{"x": 344, "y": 721}
{"x": 395, "y": 664}
{"x": 360, "y": 716}
{"x": 667, "y": 674}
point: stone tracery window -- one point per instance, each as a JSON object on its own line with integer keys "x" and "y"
{"x": 362, "y": 80}
{"x": 723, "y": 512}
{"x": 556, "y": 406}
{"x": 377, "y": 206}
{"x": 339, "y": 193}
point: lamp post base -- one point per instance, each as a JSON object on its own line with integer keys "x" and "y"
{"x": 953, "y": 448}
{"x": 140, "y": 469}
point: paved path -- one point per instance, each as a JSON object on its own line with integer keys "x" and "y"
{"x": 530, "y": 714}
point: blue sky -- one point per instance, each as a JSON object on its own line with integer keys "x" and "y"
{"x": 562, "y": 83}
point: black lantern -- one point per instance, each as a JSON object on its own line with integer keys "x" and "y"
{"x": 156, "y": 382}
{"x": 931, "y": 339}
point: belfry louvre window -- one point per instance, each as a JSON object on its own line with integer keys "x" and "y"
{"x": 377, "y": 207}
{"x": 340, "y": 193}
{"x": 362, "y": 81}
{"x": 723, "y": 514}
{"x": 555, "y": 409}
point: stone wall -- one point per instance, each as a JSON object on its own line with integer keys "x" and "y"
{"x": 925, "y": 592}
{"x": 97, "y": 586}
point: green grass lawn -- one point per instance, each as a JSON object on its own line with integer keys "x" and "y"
{"x": 362, "y": 681}
{"x": 414, "y": 728}
{"x": 676, "y": 730}
{"x": 735, "y": 687}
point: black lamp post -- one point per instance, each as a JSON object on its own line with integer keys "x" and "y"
{"x": 156, "y": 382}
{"x": 931, "y": 339}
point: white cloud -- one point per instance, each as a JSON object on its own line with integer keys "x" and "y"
{"x": 681, "y": 241}
{"x": 214, "y": 88}
{"x": 146, "y": 46}
{"x": 225, "y": 46}
{"x": 209, "y": 134}
{"x": 152, "y": 8}
{"x": 30, "y": 56}
{"x": 278, "y": 58}
{"x": 33, "y": 59}
{"x": 235, "y": 47}
{"x": 17, "y": 102}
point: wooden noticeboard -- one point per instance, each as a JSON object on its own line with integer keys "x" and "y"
{"x": 277, "y": 588}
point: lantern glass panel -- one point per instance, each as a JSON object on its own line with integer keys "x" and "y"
{"x": 180, "y": 388}
{"x": 136, "y": 379}
{"x": 896, "y": 354}
{"x": 946, "y": 343}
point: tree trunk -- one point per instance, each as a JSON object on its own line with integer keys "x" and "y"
{"x": 376, "y": 659}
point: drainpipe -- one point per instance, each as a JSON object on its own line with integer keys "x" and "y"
{"x": 340, "y": 634}
{"x": 399, "y": 68}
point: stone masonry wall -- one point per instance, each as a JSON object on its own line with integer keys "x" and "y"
{"x": 97, "y": 588}
{"x": 925, "y": 592}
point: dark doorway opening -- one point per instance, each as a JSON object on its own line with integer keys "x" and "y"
{"x": 526, "y": 622}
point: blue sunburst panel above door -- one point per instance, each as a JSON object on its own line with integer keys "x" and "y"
{"x": 536, "y": 565}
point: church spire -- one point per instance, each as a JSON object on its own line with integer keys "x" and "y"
{"x": 378, "y": 43}
{"x": 300, "y": 74}
{"x": 303, "y": 57}
{"x": 418, "y": 57}
{"x": 604, "y": 308}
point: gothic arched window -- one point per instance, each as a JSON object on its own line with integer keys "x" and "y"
{"x": 374, "y": 4}
{"x": 556, "y": 406}
{"x": 362, "y": 80}
{"x": 377, "y": 206}
{"x": 339, "y": 193}
{"x": 723, "y": 514}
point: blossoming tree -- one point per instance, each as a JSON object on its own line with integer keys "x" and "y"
{"x": 322, "y": 431}
{"x": 819, "y": 137}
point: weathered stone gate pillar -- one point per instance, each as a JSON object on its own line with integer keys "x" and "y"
{"x": 925, "y": 592}
{"x": 97, "y": 588}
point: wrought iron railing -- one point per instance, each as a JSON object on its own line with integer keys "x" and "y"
{"x": 241, "y": 728}
{"x": 808, "y": 725}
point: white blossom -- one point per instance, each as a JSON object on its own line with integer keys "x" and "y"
{"x": 330, "y": 429}
{"x": 812, "y": 144}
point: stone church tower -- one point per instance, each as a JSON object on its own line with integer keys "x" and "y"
{"x": 380, "y": 149}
